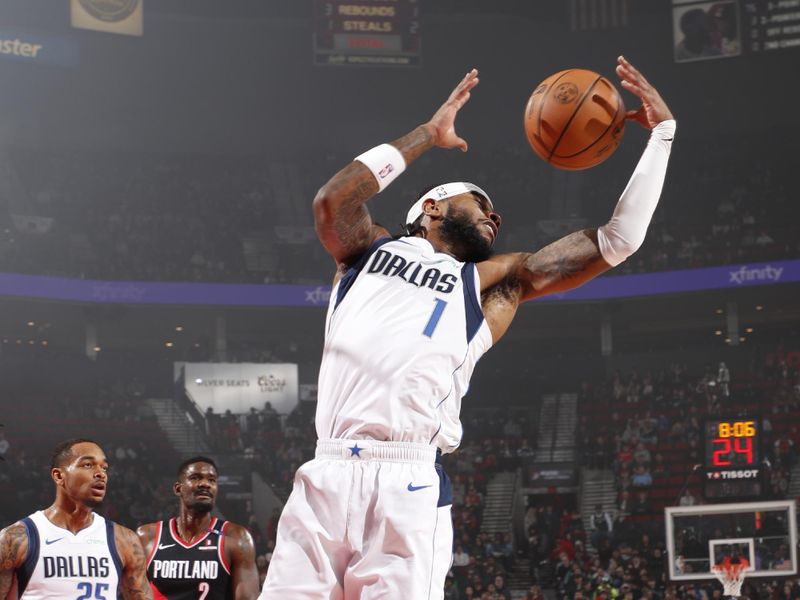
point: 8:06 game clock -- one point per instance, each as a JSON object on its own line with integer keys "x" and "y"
{"x": 732, "y": 458}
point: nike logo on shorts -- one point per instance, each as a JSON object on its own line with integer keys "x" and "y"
{"x": 48, "y": 542}
{"x": 414, "y": 488}
{"x": 165, "y": 546}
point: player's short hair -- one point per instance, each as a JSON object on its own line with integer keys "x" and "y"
{"x": 62, "y": 453}
{"x": 195, "y": 459}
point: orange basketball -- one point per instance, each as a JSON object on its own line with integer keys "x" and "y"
{"x": 575, "y": 119}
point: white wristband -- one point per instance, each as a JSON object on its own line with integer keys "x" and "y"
{"x": 385, "y": 161}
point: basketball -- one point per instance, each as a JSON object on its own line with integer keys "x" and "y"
{"x": 575, "y": 119}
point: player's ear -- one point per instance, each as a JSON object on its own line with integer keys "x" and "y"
{"x": 176, "y": 488}
{"x": 431, "y": 207}
{"x": 58, "y": 476}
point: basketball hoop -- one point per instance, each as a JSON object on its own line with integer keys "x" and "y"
{"x": 731, "y": 576}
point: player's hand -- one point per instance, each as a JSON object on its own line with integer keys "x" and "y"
{"x": 443, "y": 122}
{"x": 653, "y": 109}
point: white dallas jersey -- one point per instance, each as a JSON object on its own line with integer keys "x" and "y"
{"x": 403, "y": 334}
{"x": 62, "y": 564}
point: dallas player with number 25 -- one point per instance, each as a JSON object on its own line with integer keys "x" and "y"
{"x": 408, "y": 319}
{"x": 68, "y": 550}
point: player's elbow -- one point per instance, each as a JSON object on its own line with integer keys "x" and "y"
{"x": 322, "y": 206}
{"x": 616, "y": 245}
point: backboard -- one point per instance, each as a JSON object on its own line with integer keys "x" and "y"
{"x": 764, "y": 533}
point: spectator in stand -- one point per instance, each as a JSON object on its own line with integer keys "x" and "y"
{"x": 4, "y": 445}
{"x": 641, "y": 455}
{"x": 624, "y": 504}
{"x": 724, "y": 380}
{"x": 641, "y": 505}
{"x": 687, "y": 499}
{"x": 641, "y": 477}
{"x": 660, "y": 469}
{"x": 460, "y": 557}
{"x": 601, "y": 526}
{"x": 500, "y": 588}
{"x": 534, "y": 593}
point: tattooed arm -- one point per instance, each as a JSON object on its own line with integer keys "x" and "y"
{"x": 510, "y": 279}
{"x": 13, "y": 550}
{"x": 341, "y": 217}
{"x": 134, "y": 584}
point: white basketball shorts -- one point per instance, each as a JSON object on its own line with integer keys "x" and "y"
{"x": 365, "y": 520}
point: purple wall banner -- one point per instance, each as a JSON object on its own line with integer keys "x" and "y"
{"x": 689, "y": 280}
{"x": 244, "y": 294}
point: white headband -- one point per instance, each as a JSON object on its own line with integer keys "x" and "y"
{"x": 440, "y": 192}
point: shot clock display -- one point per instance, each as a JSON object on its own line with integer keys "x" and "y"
{"x": 732, "y": 458}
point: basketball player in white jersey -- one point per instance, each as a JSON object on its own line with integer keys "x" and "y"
{"x": 408, "y": 319}
{"x": 68, "y": 550}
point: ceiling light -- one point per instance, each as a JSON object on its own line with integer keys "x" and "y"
{"x": 169, "y": 344}
{"x": 179, "y": 328}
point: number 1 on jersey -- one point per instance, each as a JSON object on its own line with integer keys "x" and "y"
{"x": 435, "y": 316}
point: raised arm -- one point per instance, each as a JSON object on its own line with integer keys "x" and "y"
{"x": 341, "y": 217}
{"x": 133, "y": 584}
{"x": 573, "y": 260}
{"x": 241, "y": 555}
{"x": 13, "y": 550}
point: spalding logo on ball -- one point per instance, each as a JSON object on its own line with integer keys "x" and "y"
{"x": 575, "y": 119}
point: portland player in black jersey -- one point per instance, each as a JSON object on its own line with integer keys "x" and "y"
{"x": 196, "y": 556}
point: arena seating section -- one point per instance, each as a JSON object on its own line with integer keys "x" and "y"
{"x": 245, "y": 219}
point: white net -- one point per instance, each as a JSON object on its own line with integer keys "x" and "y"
{"x": 731, "y": 577}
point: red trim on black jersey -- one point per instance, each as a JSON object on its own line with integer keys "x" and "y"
{"x": 156, "y": 594}
{"x": 173, "y": 529}
{"x": 221, "y": 547}
{"x": 155, "y": 545}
